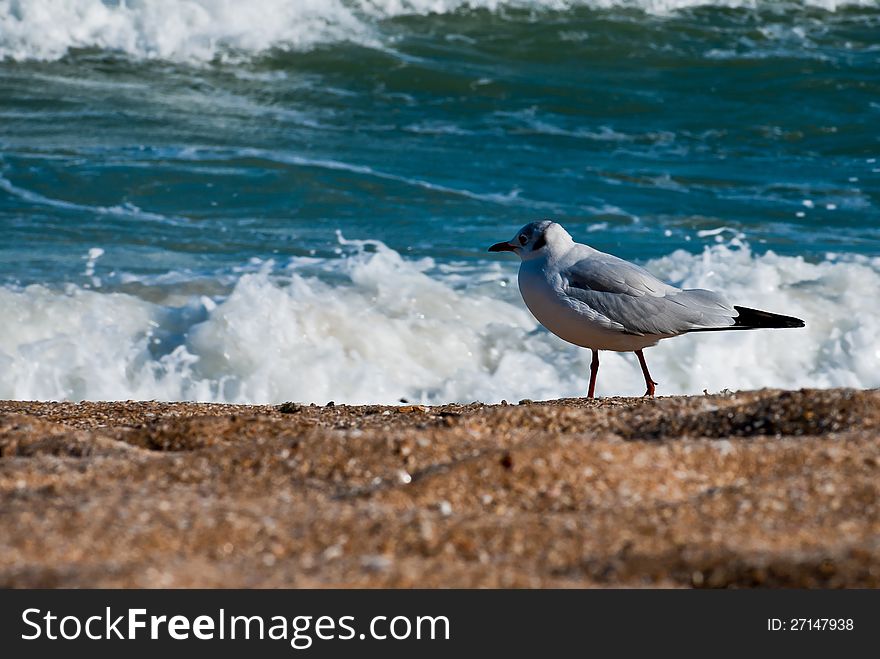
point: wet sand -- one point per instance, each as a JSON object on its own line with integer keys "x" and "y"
{"x": 769, "y": 488}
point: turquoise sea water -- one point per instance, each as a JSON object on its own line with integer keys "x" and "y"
{"x": 275, "y": 200}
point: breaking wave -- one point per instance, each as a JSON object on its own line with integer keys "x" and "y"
{"x": 205, "y": 30}
{"x": 375, "y": 327}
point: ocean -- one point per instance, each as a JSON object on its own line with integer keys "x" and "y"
{"x": 292, "y": 199}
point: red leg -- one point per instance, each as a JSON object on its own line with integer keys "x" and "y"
{"x": 594, "y": 371}
{"x": 648, "y": 380}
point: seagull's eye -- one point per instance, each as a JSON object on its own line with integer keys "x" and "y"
{"x": 523, "y": 240}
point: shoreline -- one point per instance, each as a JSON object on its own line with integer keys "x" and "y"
{"x": 764, "y": 488}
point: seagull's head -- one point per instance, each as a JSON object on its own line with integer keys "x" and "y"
{"x": 534, "y": 240}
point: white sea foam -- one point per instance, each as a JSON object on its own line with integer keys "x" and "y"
{"x": 202, "y": 30}
{"x": 186, "y": 30}
{"x": 390, "y": 327}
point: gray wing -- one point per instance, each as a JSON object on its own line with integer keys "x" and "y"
{"x": 632, "y": 298}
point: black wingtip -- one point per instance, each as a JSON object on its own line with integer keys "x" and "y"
{"x": 755, "y": 318}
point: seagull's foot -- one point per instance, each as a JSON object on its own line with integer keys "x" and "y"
{"x": 650, "y": 392}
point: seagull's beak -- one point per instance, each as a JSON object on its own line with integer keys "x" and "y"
{"x": 502, "y": 247}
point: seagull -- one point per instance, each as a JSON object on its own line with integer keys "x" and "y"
{"x": 601, "y": 302}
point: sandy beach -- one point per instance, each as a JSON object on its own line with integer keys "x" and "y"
{"x": 769, "y": 488}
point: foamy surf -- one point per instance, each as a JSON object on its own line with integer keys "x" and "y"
{"x": 205, "y": 30}
{"x": 375, "y": 327}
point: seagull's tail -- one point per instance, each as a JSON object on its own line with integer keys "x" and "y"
{"x": 756, "y": 319}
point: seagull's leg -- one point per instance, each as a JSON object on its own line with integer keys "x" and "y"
{"x": 648, "y": 380}
{"x": 594, "y": 371}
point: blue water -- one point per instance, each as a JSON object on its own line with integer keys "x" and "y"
{"x": 189, "y": 151}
